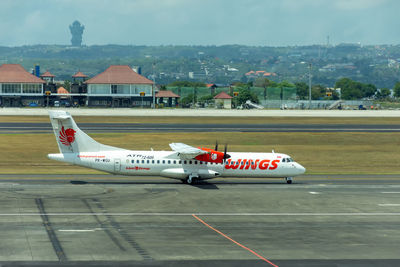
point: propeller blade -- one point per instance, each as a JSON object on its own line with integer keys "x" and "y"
{"x": 216, "y": 145}
{"x": 226, "y": 156}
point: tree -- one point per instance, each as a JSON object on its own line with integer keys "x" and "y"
{"x": 354, "y": 90}
{"x": 187, "y": 84}
{"x": 244, "y": 95}
{"x": 264, "y": 83}
{"x": 302, "y": 90}
{"x": 317, "y": 92}
{"x": 187, "y": 100}
{"x": 396, "y": 89}
{"x": 67, "y": 85}
{"x": 383, "y": 93}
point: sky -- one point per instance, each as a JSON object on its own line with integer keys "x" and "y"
{"x": 201, "y": 22}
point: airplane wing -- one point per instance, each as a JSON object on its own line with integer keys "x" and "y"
{"x": 186, "y": 151}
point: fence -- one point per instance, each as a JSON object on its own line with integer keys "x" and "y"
{"x": 271, "y": 93}
{"x": 315, "y": 104}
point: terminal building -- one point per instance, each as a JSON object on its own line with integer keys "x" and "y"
{"x": 20, "y": 88}
{"x": 117, "y": 86}
{"x": 120, "y": 86}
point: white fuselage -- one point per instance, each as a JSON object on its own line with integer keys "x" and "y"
{"x": 169, "y": 164}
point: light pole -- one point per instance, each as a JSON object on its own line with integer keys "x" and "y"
{"x": 309, "y": 86}
{"x": 152, "y": 87}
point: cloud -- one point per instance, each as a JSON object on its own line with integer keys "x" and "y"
{"x": 358, "y": 4}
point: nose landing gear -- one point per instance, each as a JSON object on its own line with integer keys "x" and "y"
{"x": 289, "y": 180}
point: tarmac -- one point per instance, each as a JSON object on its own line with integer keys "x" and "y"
{"x": 106, "y": 220}
{"x": 201, "y": 112}
{"x": 111, "y": 220}
{"x": 35, "y": 127}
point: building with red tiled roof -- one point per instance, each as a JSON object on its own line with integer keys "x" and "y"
{"x": 119, "y": 74}
{"x": 61, "y": 90}
{"x": 167, "y": 98}
{"x": 223, "y": 95}
{"x": 223, "y": 100}
{"x": 259, "y": 73}
{"x": 79, "y": 74}
{"x": 15, "y": 73}
{"x": 19, "y": 87}
{"x": 47, "y": 74}
{"x": 119, "y": 86}
{"x": 166, "y": 93}
{"x": 48, "y": 77}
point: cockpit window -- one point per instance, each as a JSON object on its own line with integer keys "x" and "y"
{"x": 287, "y": 160}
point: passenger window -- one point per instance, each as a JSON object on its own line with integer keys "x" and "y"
{"x": 190, "y": 162}
{"x": 158, "y": 162}
{"x": 163, "y": 162}
{"x": 174, "y": 161}
{"x": 169, "y": 162}
{"x": 148, "y": 161}
{"x": 195, "y": 162}
{"x": 200, "y": 162}
{"x": 152, "y": 161}
{"x": 133, "y": 161}
{"x": 184, "y": 162}
{"x": 180, "y": 162}
{"x": 142, "y": 161}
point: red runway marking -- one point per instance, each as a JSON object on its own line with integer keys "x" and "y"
{"x": 237, "y": 243}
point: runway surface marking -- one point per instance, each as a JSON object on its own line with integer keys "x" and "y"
{"x": 79, "y": 230}
{"x": 208, "y": 214}
{"x": 237, "y": 243}
{"x": 389, "y": 205}
{"x": 314, "y": 193}
{"x": 390, "y": 192}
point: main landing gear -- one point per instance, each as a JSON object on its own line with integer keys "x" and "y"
{"x": 289, "y": 180}
{"x": 191, "y": 179}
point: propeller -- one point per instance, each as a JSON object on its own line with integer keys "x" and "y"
{"x": 216, "y": 145}
{"x": 226, "y": 156}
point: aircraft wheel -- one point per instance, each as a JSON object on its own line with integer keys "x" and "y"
{"x": 189, "y": 180}
{"x": 289, "y": 180}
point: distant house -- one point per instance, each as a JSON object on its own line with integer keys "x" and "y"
{"x": 259, "y": 73}
{"x": 119, "y": 86}
{"x": 223, "y": 100}
{"x": 18, "y": 87}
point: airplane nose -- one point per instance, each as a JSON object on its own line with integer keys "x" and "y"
{"x": 300, "y": 168}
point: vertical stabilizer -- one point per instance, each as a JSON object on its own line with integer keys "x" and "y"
{"x": 70, "y": 138}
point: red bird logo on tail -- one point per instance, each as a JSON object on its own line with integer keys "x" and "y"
{"x": 67, "y": 137}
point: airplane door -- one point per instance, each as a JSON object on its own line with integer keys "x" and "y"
{"x": 117, "y": 165}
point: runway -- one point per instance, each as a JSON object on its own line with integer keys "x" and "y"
{"x": 14, "y": 127}
{"x": 123, "y": 221}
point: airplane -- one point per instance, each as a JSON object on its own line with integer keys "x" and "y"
{"x": 183, "y": 162}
